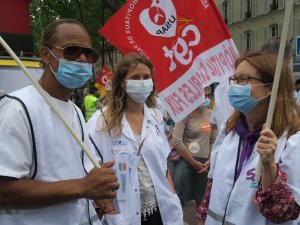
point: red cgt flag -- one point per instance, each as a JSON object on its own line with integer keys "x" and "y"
{"x": 103, "y": 81}
{"x": 187, "y": 41}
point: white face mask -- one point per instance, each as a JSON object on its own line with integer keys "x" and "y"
{"x": 139, "y": 90}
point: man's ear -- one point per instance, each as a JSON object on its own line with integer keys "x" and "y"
{"x": 45, "y": 55}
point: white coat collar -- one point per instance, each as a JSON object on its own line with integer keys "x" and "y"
{"x": 147, "y": 121}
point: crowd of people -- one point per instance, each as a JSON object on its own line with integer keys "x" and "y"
{"x": 44, "y": 173}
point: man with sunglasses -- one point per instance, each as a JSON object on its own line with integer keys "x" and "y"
{"x": 44, "y": 176}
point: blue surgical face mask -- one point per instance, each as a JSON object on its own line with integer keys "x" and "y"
{"x": 139, "y": 90}
{"x": 205, "y": 104}
{"x": 240, "y": 97}
{"x": 72, "y": 74}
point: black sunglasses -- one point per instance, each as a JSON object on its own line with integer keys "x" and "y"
{"x": 73, "y": 52}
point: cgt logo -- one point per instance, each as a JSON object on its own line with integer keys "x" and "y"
{"x": 107, "y": 82}
{"x": 160, "y": 18}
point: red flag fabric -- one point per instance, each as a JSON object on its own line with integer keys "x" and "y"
{"x": 187, "y": 41}
{"x": 103, "y": 81}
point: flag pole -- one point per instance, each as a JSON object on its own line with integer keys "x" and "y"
{"x": 47, "y": 98}
{"x": 287, "y": 16}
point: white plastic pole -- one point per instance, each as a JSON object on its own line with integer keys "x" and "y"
{"x": 49, "y": 101}
{"x": 286, "y": 20}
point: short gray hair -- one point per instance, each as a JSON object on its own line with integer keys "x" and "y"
{"x": 272, "y": 47}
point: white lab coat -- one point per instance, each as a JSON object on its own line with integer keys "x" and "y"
{"x": 154, "y": 151}
{"x": 240, "y": 208}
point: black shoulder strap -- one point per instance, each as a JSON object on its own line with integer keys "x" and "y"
{"x": 31, "y": 130}
{"x": 82, "y": 138}
{"x": 96, "y": 147}
{"x": 81, "y": 128}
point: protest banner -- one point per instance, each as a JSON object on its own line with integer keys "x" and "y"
{"x": 103, "y": 82}
{"x": 187, "y": 41}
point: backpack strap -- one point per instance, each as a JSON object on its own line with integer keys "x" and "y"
{"x": 31, "y": 130}
{"x": 82, "y": 137}
{"x": 96, "y": 148}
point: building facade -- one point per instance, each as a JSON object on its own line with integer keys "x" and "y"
{"x": 253, "y": 22}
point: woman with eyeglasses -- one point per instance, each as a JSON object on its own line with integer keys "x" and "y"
{"x": 131, "y": 132}
{"x": 232, "y": 194}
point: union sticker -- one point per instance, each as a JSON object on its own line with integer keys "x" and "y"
{"x": 205, "y": 126}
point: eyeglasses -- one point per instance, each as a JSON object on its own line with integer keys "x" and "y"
{"x": 243, "y": 79}
{"x": 73, "y": 52}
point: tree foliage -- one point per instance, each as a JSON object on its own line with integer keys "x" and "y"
{"x": 92, "y": 13}
{"x": 113, "y": 5}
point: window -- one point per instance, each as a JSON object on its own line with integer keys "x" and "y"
{"x": 248, "y": 40}
{"x": 274, "y": 5}
{"x": 274, "y": 30}
{"x": 248, "y": 10}
{"x": 225, "y": 10}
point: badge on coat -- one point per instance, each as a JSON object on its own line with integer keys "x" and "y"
{"x": 122, "y": 172}
{"x": 194, "y": 147}
{"x": 119, "y": 147}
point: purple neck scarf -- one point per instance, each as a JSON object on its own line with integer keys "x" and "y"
{"x": 249, "y": 138}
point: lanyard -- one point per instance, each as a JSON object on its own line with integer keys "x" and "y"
{"x": 140, "y": 147}
{"x": 237, "y": 161}
{"x": 234, "y": 179}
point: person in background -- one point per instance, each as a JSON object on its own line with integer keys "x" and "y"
{"x": 44, "y": 176}
{"x": 90, "y": 102}
{"x": 222, "y": 108}
{"x": 232, "y": 195}
{"x": 76, "y": 98}
{"x": 193, "y": 138}
{"x": 211, "y": 97}
{"x": 296, "y": 92}
{"x": 272, "y": 47}
{"x": 85, "y": 91}
{"x": 130, "y": 130}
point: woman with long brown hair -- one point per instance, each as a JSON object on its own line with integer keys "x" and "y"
{"x": 131, "y": 131}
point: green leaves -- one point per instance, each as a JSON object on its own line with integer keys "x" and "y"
{"x": 92, "y": 13}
